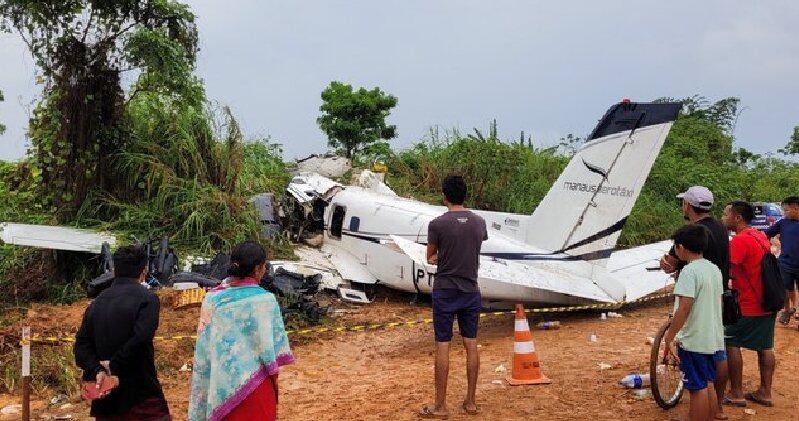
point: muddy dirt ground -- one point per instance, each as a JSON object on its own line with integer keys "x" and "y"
{"x": 388, "y": 374}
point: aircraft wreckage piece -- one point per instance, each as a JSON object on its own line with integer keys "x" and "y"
{"x": 564, "y": 253}
{"x": 54, "y": 237}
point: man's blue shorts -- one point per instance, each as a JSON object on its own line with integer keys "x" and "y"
{"x": 451, "y": 303}
{"x": 697, "y": 369}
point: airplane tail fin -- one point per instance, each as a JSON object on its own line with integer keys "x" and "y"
{"x": 584, "y": 211}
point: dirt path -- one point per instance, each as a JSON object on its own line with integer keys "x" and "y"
{"x": 388, "y": 374}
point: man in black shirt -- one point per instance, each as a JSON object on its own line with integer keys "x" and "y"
{"x": 697, "y": 202}
{"x": 116, "y": 338}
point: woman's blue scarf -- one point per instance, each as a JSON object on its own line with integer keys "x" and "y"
{"x": 241, "y": 342}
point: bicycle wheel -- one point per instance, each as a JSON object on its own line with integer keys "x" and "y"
{"x": 666, "y": 377}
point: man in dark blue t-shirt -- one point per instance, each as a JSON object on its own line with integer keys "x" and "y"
{"x": 788, "y": 231}
{"x": 454, "y": 240}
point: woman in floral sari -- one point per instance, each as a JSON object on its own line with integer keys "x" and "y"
{"x": 241, "y": 345}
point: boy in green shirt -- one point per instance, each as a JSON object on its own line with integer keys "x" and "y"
{"x": 696, "y": 324}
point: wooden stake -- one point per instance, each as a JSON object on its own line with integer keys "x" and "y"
{"x": 26, "y": 373}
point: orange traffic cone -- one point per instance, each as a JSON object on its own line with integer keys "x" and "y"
{"x": 526, "y": 369}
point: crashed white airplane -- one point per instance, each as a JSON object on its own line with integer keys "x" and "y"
{"x": 561, "y": 254}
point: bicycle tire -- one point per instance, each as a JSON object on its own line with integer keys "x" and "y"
{"x": 672, "y": 399}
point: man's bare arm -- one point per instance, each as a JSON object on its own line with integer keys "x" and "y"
{"x": 432, "y": 253}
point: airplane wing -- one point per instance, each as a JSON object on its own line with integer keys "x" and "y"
{"x": 54, "y": 237}
{"x": 638, "y": 269}
{"x": 517, "y": 280}
{"x": 348, "y": 265}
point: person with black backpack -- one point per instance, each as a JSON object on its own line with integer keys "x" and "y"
{"x": 749, "y": 262}
{"x": 788, "y": 231}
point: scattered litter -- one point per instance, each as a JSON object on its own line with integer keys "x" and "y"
{"x": 614, "y": 315}
{"x": 479, "y": 346}
{"x": 650, "y": 340}
{"x": 180, "y": 286}
{"x": 642, "y": 393}
{"x": 66, "y": 406}
{"x": 497, "y": 382}
{"x": 11, "y": 409}
{"x": 59, "y": 399}
{"x": 604, "y": 366}
{"x": 500, "y": 369}
{"x": 635, "y": 381}
{"x": 186, "y": 367}
{"x": 548, "y": 325}
{"x": 750, "y": 411}
{"x": 188, "y": 297}
{"x": 593, "y": 337}
{"x": 604, "y": 316}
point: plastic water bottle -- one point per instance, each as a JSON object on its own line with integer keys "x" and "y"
{"x": 548, "y": 326}
{"x": 635, "y": 381}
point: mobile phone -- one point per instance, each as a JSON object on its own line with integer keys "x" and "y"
{"x": 89, "y": 391}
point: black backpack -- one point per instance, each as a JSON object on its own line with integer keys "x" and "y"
{"x": 773, "y": 289}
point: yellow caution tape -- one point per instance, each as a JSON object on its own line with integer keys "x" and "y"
{"x": 380, "y": 326}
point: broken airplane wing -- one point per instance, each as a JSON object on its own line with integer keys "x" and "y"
{"x": 54, "y": 237}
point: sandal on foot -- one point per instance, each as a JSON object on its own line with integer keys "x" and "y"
{"x": 428, "y": 412}
{"x": 751, "y": 396}
{"x": 740, "y": 403}
{"x": 785, "y": 316}
{"x": 471, "y": 411}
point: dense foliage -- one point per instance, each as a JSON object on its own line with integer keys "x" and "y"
{"x": 82, "y": 48}
{"x": 142, "y": 161}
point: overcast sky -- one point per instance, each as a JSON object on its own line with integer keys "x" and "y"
{"x": 548, "y": 68}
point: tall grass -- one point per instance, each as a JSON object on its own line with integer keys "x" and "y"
{"x": 511, "y": 177}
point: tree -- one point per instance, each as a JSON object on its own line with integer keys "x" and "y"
{"x": 722, "y": 113}
{"x": 82, "y": 48}
{"x": 792, "y": 148}
{"x": 353, "y": 120}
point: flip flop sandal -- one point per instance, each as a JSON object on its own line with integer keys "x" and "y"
{"x": 785, "y": 316}
{"x": 754, "y": 398}
{"x": 471, "y": 411}
{"x": 428, "y": 413}
{"x": 722, "y": 417}
{"x": 734, "y": 402}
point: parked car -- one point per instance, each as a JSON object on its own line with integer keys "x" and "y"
{"x": 766, "y": 214}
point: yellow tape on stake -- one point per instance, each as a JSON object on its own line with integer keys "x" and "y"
{"x": 380, "y": 326}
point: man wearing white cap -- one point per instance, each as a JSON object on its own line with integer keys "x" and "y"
{"x": 697, "y": 202}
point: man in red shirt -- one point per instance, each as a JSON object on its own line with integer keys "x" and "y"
{"x": 755, "y": 329}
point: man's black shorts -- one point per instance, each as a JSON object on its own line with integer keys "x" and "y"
{"x": 449, "y": 303}
{"x": 790, "y": 278}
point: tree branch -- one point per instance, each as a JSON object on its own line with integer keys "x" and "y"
{"x": 88, "y": 25}
{"x": 111, "y": 39}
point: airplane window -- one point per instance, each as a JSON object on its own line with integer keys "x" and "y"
{"x": 355, "y": 224}
{"x": 337, "y": 223}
